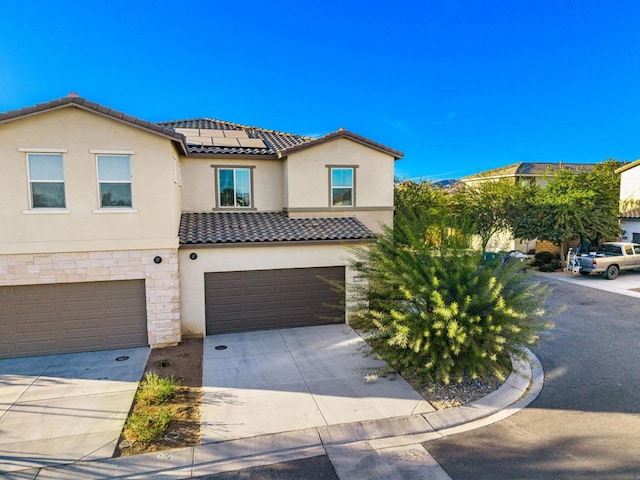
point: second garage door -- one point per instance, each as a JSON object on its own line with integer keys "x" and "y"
{"x": 262, "y": 299}
{"x": 72, "y": 317}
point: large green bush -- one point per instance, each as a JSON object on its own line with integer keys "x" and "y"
{"x": 434, "y": 309}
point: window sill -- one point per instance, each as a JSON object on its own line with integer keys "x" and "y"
{"x": 234, "y": 209}
{"x": 46, "y": 211}
{"x": 116, "y": 210}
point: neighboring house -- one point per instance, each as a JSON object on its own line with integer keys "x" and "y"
{"x": 630, "y": 201}
{"x": 538, "y": 173}
{"x": 119, "y": 232}
{"x": 533, "y": 173}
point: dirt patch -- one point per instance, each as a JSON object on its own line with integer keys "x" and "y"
{"x": 183, "y": 362}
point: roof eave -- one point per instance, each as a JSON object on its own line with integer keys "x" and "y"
{"x": 92, "y": 107}
{"x": 276, "y": 243}
{"x": 240, "y": 156}
{"x": 628, "y": 166}
{"x": 396, "y": 154}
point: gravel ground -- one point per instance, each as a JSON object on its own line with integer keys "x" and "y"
{"x": 456, "y": 394}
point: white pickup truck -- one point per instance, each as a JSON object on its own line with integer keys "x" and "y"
{"x": 610, "y": 259}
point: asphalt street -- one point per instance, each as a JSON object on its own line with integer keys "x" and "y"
{"x": 586, "y": 421}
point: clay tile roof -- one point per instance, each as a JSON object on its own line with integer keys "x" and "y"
{"x": 342, "y": 133}
{"x": 631, "y": 213}
{"x": 275, "y": 141}
{"x": 278, "y": 144}
{"x": 265, "y": 227}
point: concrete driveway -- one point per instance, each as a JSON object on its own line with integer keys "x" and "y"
{"x": 292, "y": 379}
{"x": 64, "y": 408}
{"x": 628, "y": 283}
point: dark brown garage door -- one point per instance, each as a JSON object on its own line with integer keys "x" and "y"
{"x": 72, "y": 317}
{"x": 255, "y": 300}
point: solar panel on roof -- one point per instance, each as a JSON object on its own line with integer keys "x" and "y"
{"x": 235, "y": 134}
{"x": 251, "y": 143}
{"x": 226, "y": 142}
{"x": 208, "y": 132}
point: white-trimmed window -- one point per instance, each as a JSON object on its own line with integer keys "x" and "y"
{"x": 46, "y": 180}
{"x": 234, "y": 187}
{"x": 342, "y": 186}
{"x": 114, "y": 181}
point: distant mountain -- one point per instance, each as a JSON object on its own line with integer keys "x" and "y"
{"x": 447, "y": 184}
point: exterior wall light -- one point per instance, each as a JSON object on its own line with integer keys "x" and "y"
{"x": 157, "y": 259}
{"x": 193, "y": 255}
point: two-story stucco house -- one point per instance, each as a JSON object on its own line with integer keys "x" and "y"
{"x": 118, "y": 232}
{"x": 630, "y": 201}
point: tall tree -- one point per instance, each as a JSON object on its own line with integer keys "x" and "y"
{"x": 487, "y": 207}
{"x": 572, "y": 206}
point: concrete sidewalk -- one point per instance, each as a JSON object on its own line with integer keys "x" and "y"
{"x": 57, "y": 409}
{"x": 357, "y": 449}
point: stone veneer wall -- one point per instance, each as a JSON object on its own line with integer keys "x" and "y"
{"x": 162, "y": 281}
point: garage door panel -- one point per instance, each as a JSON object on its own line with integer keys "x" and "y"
{"x": 263, "y": 275}
{"x": 127, "y": 306}
{"x": 271, "y": 299}
{"x": 256, "y": 290}
{"x": 35, "y": 308}
{"x": 79, "y": 322}
{"x": 38, "y": 326}
{"x": 79, "y": 305}
{"x": 43, "y": 290}
{"x": 303, "y": 303}
{"x": 295, "y": 289}
{"x": 231, "y": 309}
{"x": 72, "y": 317}
{"x": 269, "y": 306}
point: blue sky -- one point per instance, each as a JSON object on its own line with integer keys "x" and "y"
{"x": 459, "y": 86}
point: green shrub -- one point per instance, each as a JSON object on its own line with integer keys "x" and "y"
{"x": 147, "y": 425}
{"x": 543, "y": 258}
{"x": 556, "y": 264}
{"x": 155, "y": 389}
{"x": 151, "y": 416}
{"x": 435, "y": 310}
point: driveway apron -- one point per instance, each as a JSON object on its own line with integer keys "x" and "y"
{"x": 273, "y": 381}
{"x": 64, "y": 408}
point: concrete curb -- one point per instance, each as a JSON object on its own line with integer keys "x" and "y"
{"x": 521, "y": 388}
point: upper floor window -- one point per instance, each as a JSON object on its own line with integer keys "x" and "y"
{"x": 234, "y": 187}
{"x": 46, "y": 180}
{"x": 114, "y": 181}
{"x": 342, "y": 187}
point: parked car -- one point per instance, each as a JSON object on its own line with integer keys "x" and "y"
{"x": 610, "y": 258}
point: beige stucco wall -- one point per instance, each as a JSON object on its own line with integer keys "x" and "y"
{"x": 162, "y": 282}
{"x": 308, "y": 175}
{"x": 199, "y": 183}
{"x": 630, "y": 184}
{"x": 630, "y": 200}
{"x": 153, "y": 221}
{"x": 225, "y": 259}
